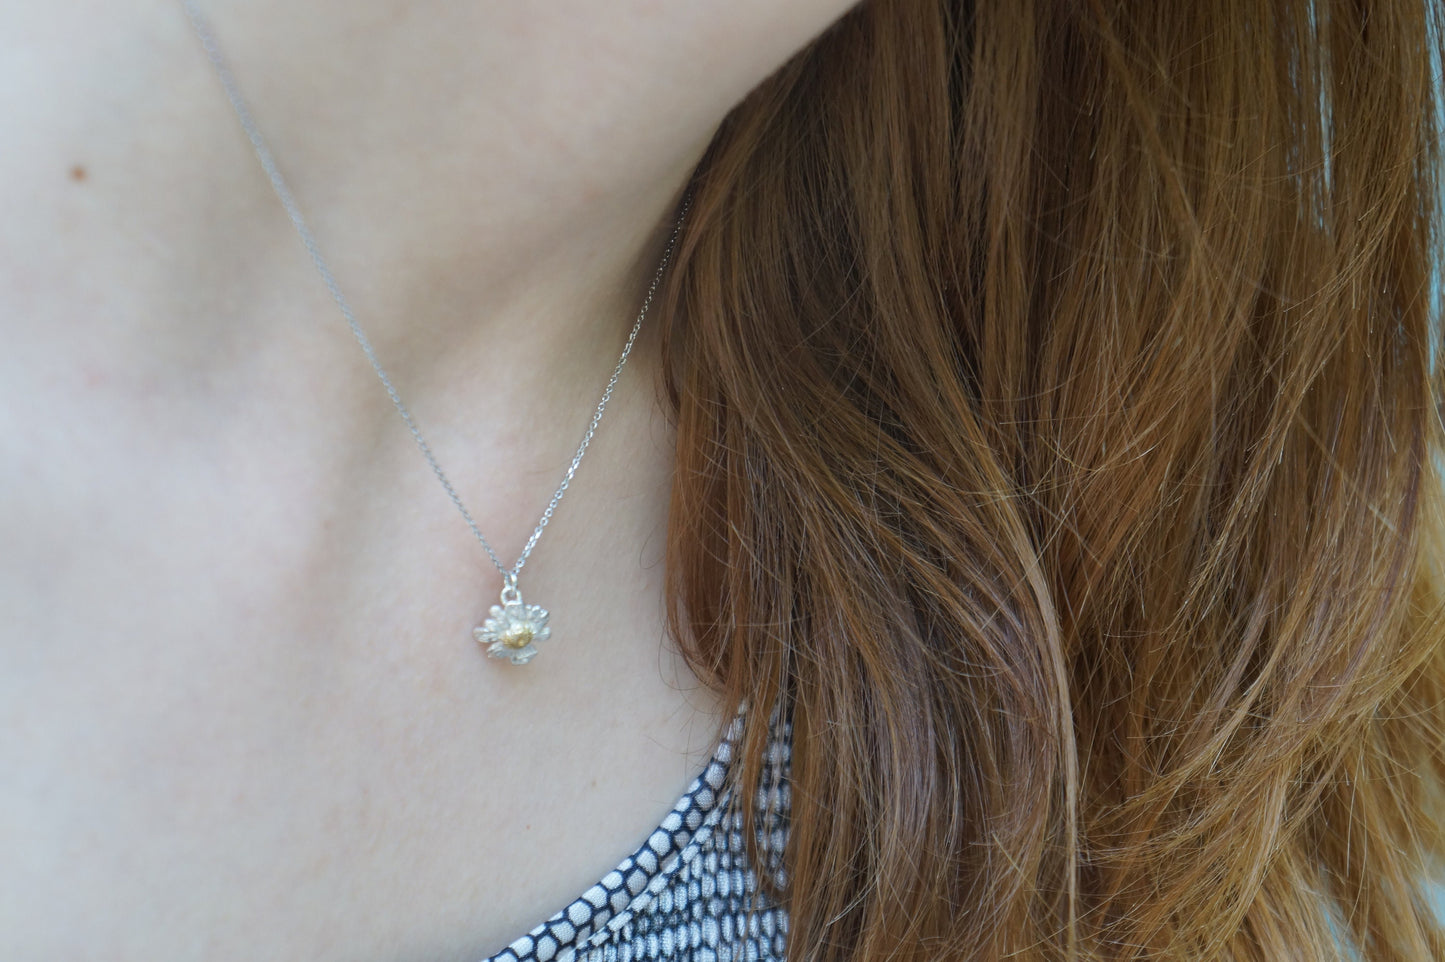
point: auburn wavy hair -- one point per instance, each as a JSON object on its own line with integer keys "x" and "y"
{"x": 1059, "y": 444}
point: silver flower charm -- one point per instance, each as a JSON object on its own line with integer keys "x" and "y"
{"x": 513, "y": 630}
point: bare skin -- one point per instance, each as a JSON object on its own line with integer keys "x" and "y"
{"x": 241, "y": 712}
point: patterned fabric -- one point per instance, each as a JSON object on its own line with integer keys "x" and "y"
{"x": 688, "y": 893}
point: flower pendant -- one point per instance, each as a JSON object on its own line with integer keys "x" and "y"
{"x": 514, "y": 628}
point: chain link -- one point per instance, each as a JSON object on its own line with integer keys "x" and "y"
{"x": 293, "y": 210}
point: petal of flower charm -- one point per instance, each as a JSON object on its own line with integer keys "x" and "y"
{"x": 513, "y": 630}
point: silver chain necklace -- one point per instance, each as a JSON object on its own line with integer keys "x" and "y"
{"x": 514, "y": 627}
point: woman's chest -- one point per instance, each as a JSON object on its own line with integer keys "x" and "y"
{"x": 228, "y": 739}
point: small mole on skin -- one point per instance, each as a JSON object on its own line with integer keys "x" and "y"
{"x": 77, "y": 173}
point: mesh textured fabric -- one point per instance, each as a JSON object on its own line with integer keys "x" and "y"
{"x": 688, "y": 893}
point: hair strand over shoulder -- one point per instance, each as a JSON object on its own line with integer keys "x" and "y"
{"x": 1060, "y": 447}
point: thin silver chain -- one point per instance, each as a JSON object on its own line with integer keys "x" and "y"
{"x": 268, "y": 163}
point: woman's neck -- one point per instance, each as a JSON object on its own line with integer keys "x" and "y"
{"x": 475, "y": 209}
{"x": 492, "y": 184}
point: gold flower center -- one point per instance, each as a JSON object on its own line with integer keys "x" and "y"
{"x": 517, "y": 636}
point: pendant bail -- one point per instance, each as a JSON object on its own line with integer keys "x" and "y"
{"x": 510, "y": 593}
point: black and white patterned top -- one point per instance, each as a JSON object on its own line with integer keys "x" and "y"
{"x": 688, "y": 893}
